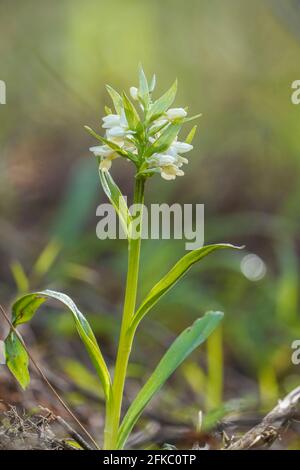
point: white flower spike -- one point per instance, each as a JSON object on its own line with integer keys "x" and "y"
{"x": 136, "y": 133}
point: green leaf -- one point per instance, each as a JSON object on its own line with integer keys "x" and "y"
{"x": 112, "y": 145}
{"x": 116, "y": 98}
{"x": 103, "y": 140}
{"x": 188, "y": 119}
{"x": 180, "y": 349}
{"x": 158, "y": 127}
{"x": 131, "y": 113}
{"x": 46, "y": 258}
{"x": 191, "y": 135}
{"x": 143, "y": 87}
{"x": 170, "y": 279}
{"x": 20, "y": 277}
{"x": 23, "y": 310}
{"x": 115, "y": 196}
{"x": 165, "y": 140}
{"x": 17, "y": 359}
{"x": 25, "y": 307}
{"x": 163, "y": 103}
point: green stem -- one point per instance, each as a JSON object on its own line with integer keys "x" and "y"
{"x": 114, "y": 406}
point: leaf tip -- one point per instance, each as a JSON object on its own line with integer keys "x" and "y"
{"x": 88, "y": 129}
{"x": 217, "y": 314}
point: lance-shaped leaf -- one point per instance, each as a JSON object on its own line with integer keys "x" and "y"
{"x": 116, "y": 98}
{"x": 170, "y": 279}
{"x": 165, "y": 140}
{"x": 163, "y": 103}
{"x": 17, "y": 359}
{"x": 131, "y": 113}
{"x": 112, "y": 145}
{"x": 181, "y": 348}
{"x": 143, "y": 87}
{"x": 191, "y": 135}
{"x": 158, "y": 127}
{"x": 188, "y": 119}
{"x": 23, "y": 310}
{"x": 116, "y": 198}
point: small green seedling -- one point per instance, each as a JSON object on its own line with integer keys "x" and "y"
{"x": 147, "y": 136}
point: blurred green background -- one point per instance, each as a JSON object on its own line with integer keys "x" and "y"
{"x": 235, "y": 62}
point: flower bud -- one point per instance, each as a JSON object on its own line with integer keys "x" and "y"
{"x": 134, "y": 92}
{"x": 176, "y": 113}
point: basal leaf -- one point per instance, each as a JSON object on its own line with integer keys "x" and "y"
{"x": 23, "y": 310}
{"x": 116, "y": 198}
{"x": 181, "y": 348}
{"x": 175, "y": 273}
{"x": 163, "y": 103}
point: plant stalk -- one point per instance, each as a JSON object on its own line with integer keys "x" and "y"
{"x": 113, "y": 413}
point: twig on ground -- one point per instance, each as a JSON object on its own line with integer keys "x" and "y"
{"x": 22, "y": 432}
{"x": 74, "y": 434}
{"x": 271, "y": 427}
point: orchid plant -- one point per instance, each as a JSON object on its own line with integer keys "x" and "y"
{"x": 147, "y": 136}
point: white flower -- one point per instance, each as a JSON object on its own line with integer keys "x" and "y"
{"x": 170, "y": 162}
{"x": 105, "y": 164}
{"x": 107, "y": 155}
{"x": 169, "y": 165}
{"x": 181, "y": 147}
{"x": 110, "y": 121}
{"x": 116, "y": 126}
{"x": 130, "y": 142}
{"x": 116, "y": 131}
{"x": 175, "y": 113}
{"x": 181, "y": 160}
{"x": 160, "y": 159}
{"x": 102, "y": 151}
{"x": 134, "y": 92}
{"x": 169, "y": 172}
